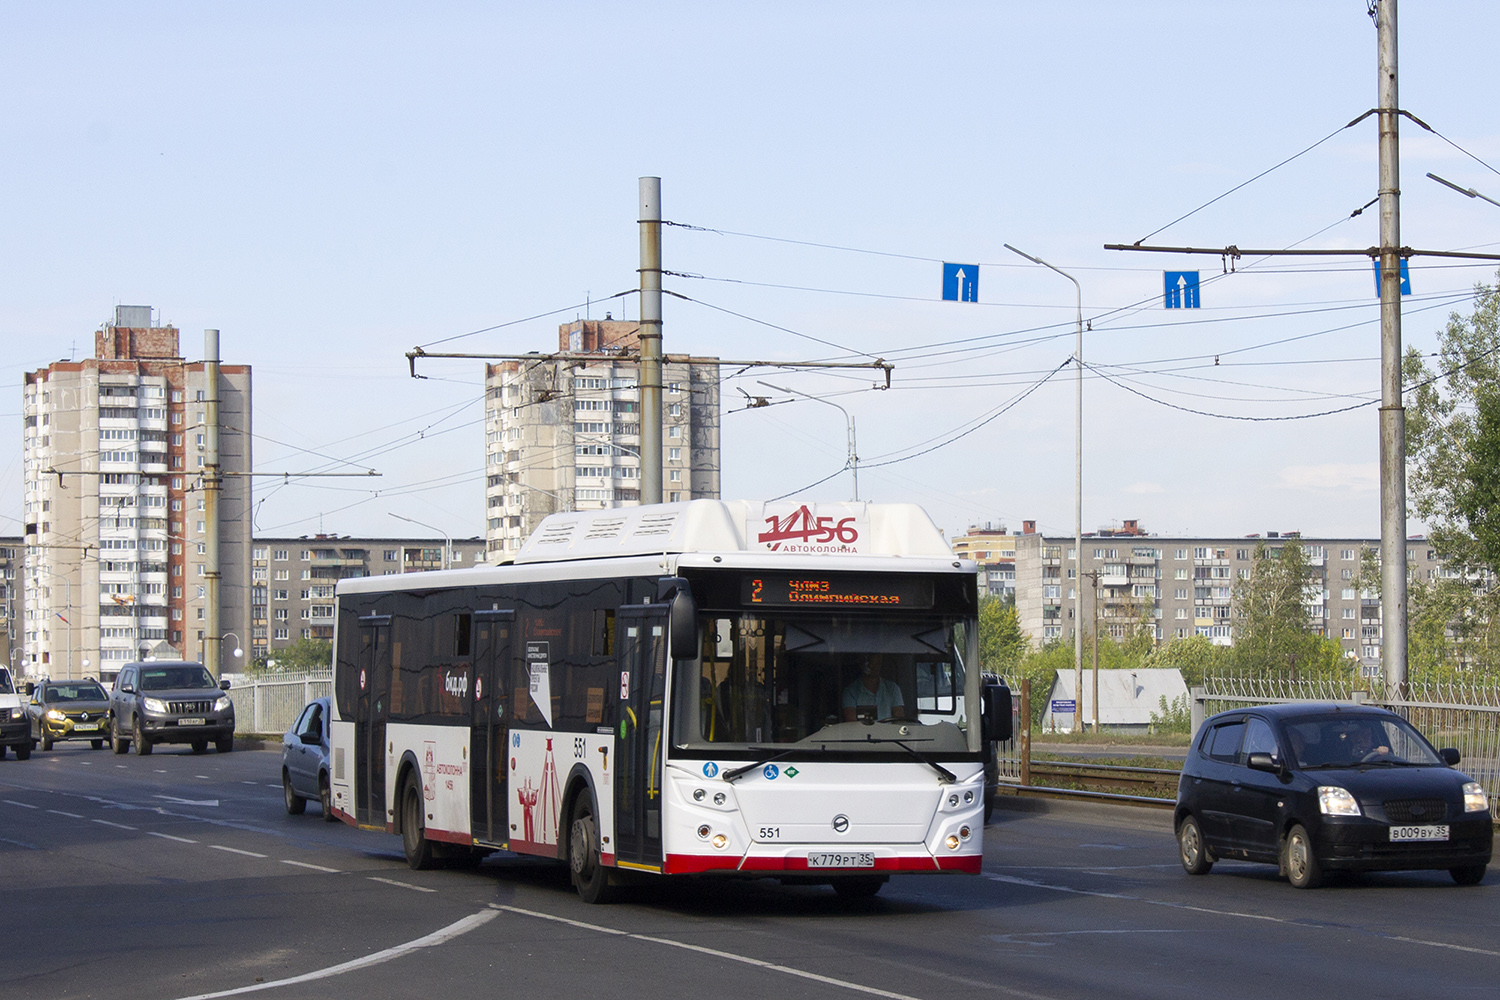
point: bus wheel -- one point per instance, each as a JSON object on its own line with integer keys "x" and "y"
{"x": 590, "y": 877}
{"x": 413, "y": 839}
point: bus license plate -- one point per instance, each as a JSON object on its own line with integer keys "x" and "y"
{"x": 829, "y": 859}
{"x": 191, "y": 722}
{"x": 1435, "y": 832}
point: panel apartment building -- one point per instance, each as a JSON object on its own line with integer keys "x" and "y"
{"x": 113, "y": 451}
{"x": 292, "y": 580}
{"x": 1184, "y": 586}
{"x": 564, "y": 434}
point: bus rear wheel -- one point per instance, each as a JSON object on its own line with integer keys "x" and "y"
{"x": 590, "y": 877}
{"x": 413, "y": 836}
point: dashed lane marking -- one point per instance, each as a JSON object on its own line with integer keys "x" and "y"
{"x": 404, "y": 885}
{"x": 1293, "y": 921}
{"x": 120, "y": 826}
{"x": 23, "y": 805}
{"x": 316, "y": 868}
{"x": 236, "y": 850}
{"x": 432, "y": 940}
{"x": 59, "y": 812}
{"x": 168, "y": 836}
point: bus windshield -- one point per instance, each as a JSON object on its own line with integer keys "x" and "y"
{"x": 797, "y": 679}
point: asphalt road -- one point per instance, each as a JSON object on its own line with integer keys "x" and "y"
{"x": 176, "y": 875}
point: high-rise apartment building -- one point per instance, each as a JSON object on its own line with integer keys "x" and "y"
{"x": 114, "y": 509}
{"x": 1179, "y": 587}
{"x": 12, "y": 555}
{"x": 292, "y": 580}
{"x": 993, "y": 547}
{"x": 564, "y": 434}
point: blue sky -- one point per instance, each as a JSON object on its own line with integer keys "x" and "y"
{"x": 332, "y": 184}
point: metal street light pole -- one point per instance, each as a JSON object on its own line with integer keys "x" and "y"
{"x": 447, "y": 542}
{"x": 853, "y": 460}
{"x": 1464, "y": 191}
{"x": 238, "y": 651}
{"x": 1077, "y": 495}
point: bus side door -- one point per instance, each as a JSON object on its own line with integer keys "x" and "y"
{"x": 373, "y": 708}
{"x": 642, "y": 637}
{"x": 487, "y": 751}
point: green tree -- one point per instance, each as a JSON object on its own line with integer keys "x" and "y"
{"x": 1453, "y": 436}
{"x": 1195, "y": 655}
{"x": 1001, "y": 642}
{"x": 1273, "y": 636}
{"x": 304, "y": 654}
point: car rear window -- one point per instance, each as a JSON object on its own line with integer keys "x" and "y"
{"x": 1224, "y": 742}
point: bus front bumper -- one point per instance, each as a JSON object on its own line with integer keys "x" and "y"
{"x": 845, "y": 859}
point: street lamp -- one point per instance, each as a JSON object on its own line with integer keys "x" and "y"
{"x": 238, "y": 652}
{"x": 447, "y": 542}
{"x": 1465, "y": 191}
{"x": 853, "y": 460}
{"x": 1077, "y": 497}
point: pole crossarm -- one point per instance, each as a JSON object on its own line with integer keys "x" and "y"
{"x": 879, "y": 364}
{"x": 1235, "y": 252}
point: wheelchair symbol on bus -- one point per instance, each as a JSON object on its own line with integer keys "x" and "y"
{"x": 771, "y": 772}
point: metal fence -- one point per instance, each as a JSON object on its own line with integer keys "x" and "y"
{"x": 270, "y": 703}
{"x": 1465, "y": 717}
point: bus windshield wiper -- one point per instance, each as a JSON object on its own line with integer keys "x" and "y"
{"x": 739, "y": 771}
{"x": 945, "y": 776}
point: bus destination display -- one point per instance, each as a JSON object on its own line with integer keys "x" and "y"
{"x": 851, "y": 591}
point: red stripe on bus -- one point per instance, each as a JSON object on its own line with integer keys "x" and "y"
{"x": 687, "y": 864}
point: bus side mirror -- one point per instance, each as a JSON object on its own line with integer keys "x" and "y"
{"x": 994, "y": 719}
{"x": 683, "y": 619}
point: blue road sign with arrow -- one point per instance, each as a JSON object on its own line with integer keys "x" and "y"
{"x": 1181, "y": 290}
{"x": 1405, "y": 278}
{"x": 960, "y": 282}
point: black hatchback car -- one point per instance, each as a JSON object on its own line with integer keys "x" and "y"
{"x": 1319, "y": 788}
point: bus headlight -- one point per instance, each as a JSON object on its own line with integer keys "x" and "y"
{"x": 951, "y": 843}
{"x": 953, "y": 799}
{"x": 718, "y": 798}
{"x": 698, "y": 794}
{"x": 719, "y": 841}
{"x": 968, "y": 797}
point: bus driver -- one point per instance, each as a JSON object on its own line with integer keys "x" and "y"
{"x": 871, "y": 693}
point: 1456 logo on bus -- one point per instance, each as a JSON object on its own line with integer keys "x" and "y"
{"x": 819, "y": 528}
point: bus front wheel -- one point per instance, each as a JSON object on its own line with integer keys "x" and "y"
{"x": 413, "y": 835}
{"x": 590, "y": 877}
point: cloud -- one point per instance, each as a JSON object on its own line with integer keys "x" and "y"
{"x": 1144, "y": 488}
{"x": 1361, "y": 478}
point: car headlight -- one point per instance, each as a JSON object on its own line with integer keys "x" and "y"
{"x": 223, "y": 704}
{"x": 55, "y": 715}
{"x": 154, "y": 705}
{"x": 1474, "y": 798}
{"x": 1336, "y": 801}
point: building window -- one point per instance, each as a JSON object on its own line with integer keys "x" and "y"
{"x": 1182, "y": 553}
{"x": 674, "y": 410}
{"x": 390, "y": 555}
{"x": 281, "y": 633}
{"x": 674, "y": 454}
{"x": 675, "y": 498}
{"x": 279, "y": 555}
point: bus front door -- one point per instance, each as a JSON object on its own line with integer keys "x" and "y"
{"x": 642, "y": 634}
{"x": 487, "y": 753}
{"x": 369, "y": 728}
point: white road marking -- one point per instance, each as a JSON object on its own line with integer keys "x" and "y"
{"x": 316, "y": 868}
{"x": 122, "y": 826}
{"x": 716, "y": 953}
{"x": 159, "y": 770}
{"x": 20, "y": 843}
{"x": 432, "y": 940}
{"x": 1031, "y": 883}
{"x": 168, "y": 836}
{"x": 122, "y": 767}
{"x": 273, "y": 786}
{"x": 404, "y": 885}
{"x": 59, "y": 812}
{"x": 251, "y": 783}
{"x": 236, "y": 850}
{"x": 203, "y": 776}
{"x": 187, "y": 802}
{"x": 23, "y": 805}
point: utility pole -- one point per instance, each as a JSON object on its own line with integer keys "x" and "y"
{"x": 650, "y": 336}
{"x": 1094, "y": 579}
{"x": 211, "y": 483}
{"x": 1392, "y": 413}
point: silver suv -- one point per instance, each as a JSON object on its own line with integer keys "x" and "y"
{"x": 169, "y": 701}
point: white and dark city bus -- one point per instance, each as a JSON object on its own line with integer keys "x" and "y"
{"x": 779, "y": 690}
